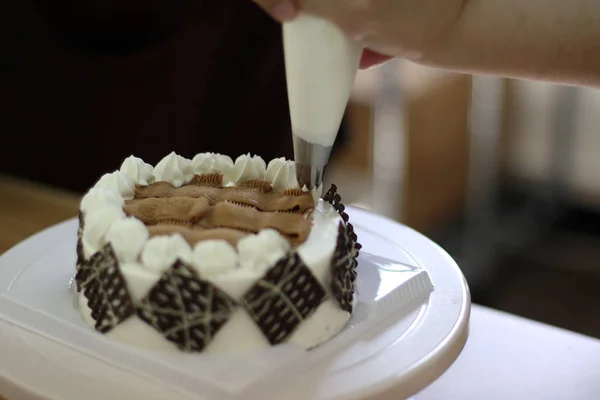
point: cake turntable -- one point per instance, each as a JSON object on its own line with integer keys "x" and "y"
{"x": 47, "y": 355}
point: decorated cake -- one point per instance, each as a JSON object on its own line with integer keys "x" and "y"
{"x": 216, "y": 256}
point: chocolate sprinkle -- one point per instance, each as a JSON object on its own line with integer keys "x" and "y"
{"x": 105, "y": 289}
{"x": 187, "y": 310}
{"x": 343, "y": 268}
{"x": 333, "y": 198}
{"x": 284, "y": 297}
{"x": 344, "y": 263}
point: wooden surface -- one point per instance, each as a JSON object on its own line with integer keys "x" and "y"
{"x": 431, "y": 190}
{"x": 438, "y": 153}
{"x": 26, "y": 208}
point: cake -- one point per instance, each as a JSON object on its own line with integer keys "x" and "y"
{"x": 215, "y": 256}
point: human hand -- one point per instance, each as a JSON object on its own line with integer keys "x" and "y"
{"x": 404, "y": 28}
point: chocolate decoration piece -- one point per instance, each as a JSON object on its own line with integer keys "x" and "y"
{"x": 333, "y": 198}
{"x": 284, "y": 297}
{"x": 344, "y": 263}
{"x": 176, "y": 222}
{"x": 187, "y": 310}
{"x": 295, "y": 192}
{"x": 257, "y": 184}
{"x": 105, "y": 288}
{"x": 210, "y": 180}
{"x": 343, "y": 268}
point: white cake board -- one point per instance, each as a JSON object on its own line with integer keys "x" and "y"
{"x": 428, "y": 339}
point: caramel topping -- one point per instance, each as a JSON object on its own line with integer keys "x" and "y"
{"x": 190, "y": 212}
{"x": 161, "y": 210}
{"x": 158, "y": 189}
{"x": 269, "y": 202}
{"x": 203, "y": 210}
{"x": 295, "y": 227}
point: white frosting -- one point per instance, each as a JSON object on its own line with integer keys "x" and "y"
{"x": 97, "y": 224}
{"x": 318, "y": 249}
{"x": 128, "y": 237}
{"x": 327, "y": 321}
{"x": 236, "y": 283}
{"x": 211, "y": 163}
{"x": 261, "y": 251}
{"x": 246, "y": 167}
{"x": 160, "y": 252}
{"x": 175, "y": 169}
{"x": 139, "y": 280}
{"x": 143, "y": 259}
{"x": 118, "y": 181}
{"x": 282, "y": 174}
{"x": 97, "y": 198}
{"x": 140, "y": 172}
{"x": 214, "y": 257}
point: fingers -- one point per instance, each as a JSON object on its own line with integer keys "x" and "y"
{"x": 286, "y": 10}
{"x": 372, "y": 59}
{"x": 281, "y": 10}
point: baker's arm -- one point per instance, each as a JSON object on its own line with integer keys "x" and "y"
{"x": 553, "y": 40}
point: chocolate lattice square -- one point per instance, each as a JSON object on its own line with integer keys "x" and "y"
{"x": 343, "y": 267}
{"x": 284, "y": 297}
{"x": 187, "y": 310}
{"x": 105, "y": 288}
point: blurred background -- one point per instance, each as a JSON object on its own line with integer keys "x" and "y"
{"x": 504, "y": 174}
{"x": 501, "y": 173}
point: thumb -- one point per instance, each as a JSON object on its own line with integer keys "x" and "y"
{"x": 281, "y": 10}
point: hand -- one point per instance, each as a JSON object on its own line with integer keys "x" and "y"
{"x": 405, "y": 28}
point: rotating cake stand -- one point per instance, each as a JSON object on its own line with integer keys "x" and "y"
{"x": 418, "y": 348}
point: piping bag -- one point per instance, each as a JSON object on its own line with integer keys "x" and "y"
{"x": 321, "y": 63}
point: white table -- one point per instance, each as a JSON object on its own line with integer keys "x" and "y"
{"x": 508, "y": 357}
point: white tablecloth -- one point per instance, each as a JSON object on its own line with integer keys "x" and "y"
{"x": 507, "y": 357}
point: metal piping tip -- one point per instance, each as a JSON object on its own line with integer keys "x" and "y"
{"x": 309, "y": 176}
{"x": 311, "y": 160}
